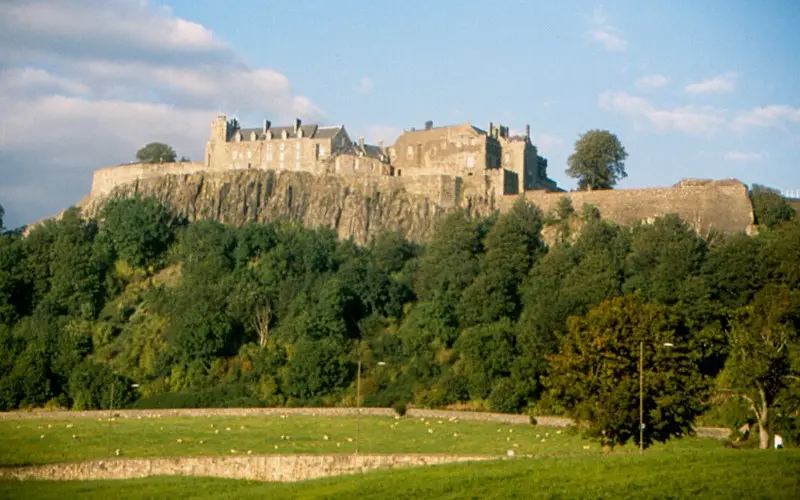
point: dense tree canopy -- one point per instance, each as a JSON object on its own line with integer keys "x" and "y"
{"x": 156, "y": 152}
{"x": 598, "y": 161}
{"x": 481, "y": 316}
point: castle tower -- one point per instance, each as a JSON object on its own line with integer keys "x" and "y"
{"x": 216, "y": 143}
{"x": 219, "y": 128}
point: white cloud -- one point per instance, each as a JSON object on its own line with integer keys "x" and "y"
{"x": 776, "y": 115}
{"x": 743, "y": 156}
{"x": 94, "y": 80}
{"x": 690, "y": 119}
{"x": 365, "y": 85}
{"x": 651, "y": 81}
{"x": 724, "y": 83}
{"x": 604, "y": 33}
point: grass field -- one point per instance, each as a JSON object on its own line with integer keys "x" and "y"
{"x": 27, "y": 442}
{"x": 716, "y": 473}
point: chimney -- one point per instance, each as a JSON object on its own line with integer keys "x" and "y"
{"x": 361, "y": 142}
{"x": 297, "y": 124}
{"x": 528, "y": 132}
{"x": 428, "y": 124}
{"x": 267, "y": 124}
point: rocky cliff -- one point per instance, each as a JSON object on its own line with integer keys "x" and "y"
{"x": 357, "y": 208}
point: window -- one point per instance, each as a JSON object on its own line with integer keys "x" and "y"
{"x": 269, "y": 147}
{"x": 470, "y": 160}
{"x": 281, "y": 157}
{"x": 357, "y": 164}
{"x": 269, "y": 156}
{"x": 322, "y": 150}
{"x": 410, "y": 153}
{"x": 283, "y": 144}
{"x": 249, "y": 154}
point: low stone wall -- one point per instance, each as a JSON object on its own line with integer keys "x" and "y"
{"x": 279, "y": 468}
{"x": 314, "y": 412}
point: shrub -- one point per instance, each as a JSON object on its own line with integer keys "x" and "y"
{"x": 400, "y": 407}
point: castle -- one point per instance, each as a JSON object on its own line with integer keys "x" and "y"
{"x": 493, "y": 159}
{"x": 319, "y": 176}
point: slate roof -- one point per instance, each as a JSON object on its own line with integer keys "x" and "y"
{"x": 309, "y": 131}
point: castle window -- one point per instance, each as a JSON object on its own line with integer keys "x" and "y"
{"x": 281, "y": 157}
{"x": 297, "y": 154}
{"x": 269, "y": 156}
{"x": 357, "y": 164}
{"x": 321, "y": 150}
{"x": 470, "y": 160}
{"x": 269, "y": 147}
{"x": 249, "y": 154}
{"x": 410, "y": 153}
{"x": 283, "y": 144}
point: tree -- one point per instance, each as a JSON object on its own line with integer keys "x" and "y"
{"x": 2, "y": 213}
{"x": 763, "y": 335}
{"x": 156, "y": 152}
{"x": 769, "y": 207}
{"x": 596, "y": 373}
{"x": 598, "y": 161}
{"x": 137, "y": 230}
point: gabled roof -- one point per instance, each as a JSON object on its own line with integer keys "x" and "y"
{"x": 309, "y": 131}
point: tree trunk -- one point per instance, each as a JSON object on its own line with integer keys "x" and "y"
{"x": 763, "y": 436}
{"x": 763, "y": 421}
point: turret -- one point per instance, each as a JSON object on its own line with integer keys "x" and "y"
{"x": 219, "y": 128}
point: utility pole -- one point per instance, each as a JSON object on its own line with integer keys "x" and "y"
{"x": 358, "y": 398}
{"x": 641, "y": 397}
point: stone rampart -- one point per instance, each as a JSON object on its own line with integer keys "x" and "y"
{"x": 106, "y": 179}
{"x": 279, "y": 468}
{"x": 722, "y": 204}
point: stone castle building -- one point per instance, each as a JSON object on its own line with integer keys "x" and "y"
{"x": 498, "y": 162}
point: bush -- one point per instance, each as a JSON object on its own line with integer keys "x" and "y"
{"x": 226, "y": 396}
{"x": 533, "y": 420}
{"x": 401, "y": 407}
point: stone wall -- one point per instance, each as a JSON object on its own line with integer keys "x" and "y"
{"x": 723, "y": 204}
{"x": 106, "y": 179}
{"x": 281, "y": 468}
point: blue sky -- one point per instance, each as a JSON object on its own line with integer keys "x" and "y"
{"x": 693, "y": 89}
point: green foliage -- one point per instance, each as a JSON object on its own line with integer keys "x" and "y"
{"x": 564, "y": 208}
{"x": 156, "y": 152}
{"x": 269, "y": 314}
{"x": 769, "y": 207}
{"x": 596, "y": 373}
{"x": 137, "y": 230}
{"x": 2, "y": 214}
{"x": 598, "y": 161}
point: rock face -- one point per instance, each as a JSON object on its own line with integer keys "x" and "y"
{"x": 354, "y": 209}
{"x": 360, "y": 207}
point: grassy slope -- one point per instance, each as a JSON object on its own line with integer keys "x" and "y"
{"x": 721, "y": 473}
{"x": 22, "y": 443}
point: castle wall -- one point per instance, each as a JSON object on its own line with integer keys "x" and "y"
{"x": 723, "y": 205}
{"x": 106, "y": 179}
